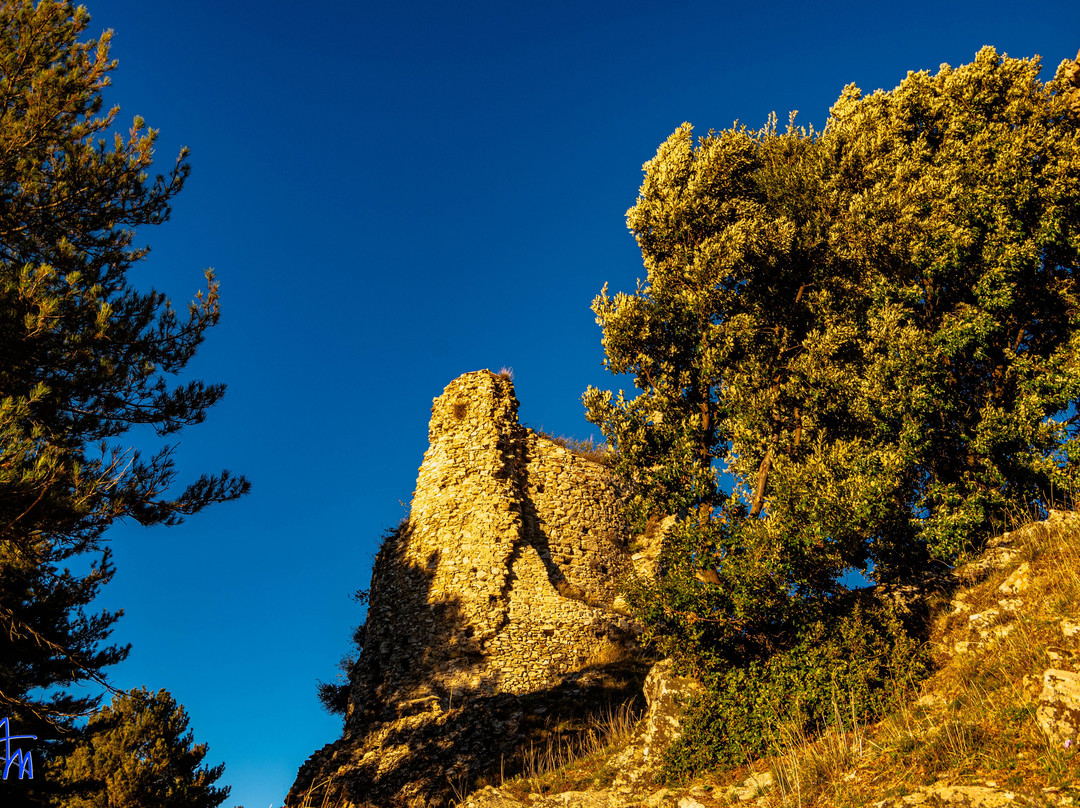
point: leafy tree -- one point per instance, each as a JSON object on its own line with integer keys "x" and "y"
{"x": 84, "y": 357}
{"x": 139, "y": 753}
{"x": 872, "y": 329}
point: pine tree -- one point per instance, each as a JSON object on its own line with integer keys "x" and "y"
{"x": 84, "y": 357}
{"x": 139, "y": 753}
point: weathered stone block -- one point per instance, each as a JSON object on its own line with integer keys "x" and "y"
{"x": 667, "y": 695}
{"x": 1058, "y": 712}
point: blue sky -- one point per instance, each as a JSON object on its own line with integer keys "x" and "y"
{"x": 393, "y": 194}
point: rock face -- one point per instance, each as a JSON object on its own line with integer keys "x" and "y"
{"x": 499, "y": 584}
{"x": 666, "y": 694}
{"x": 1059, "y": 707}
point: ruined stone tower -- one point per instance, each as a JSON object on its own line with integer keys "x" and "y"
{"x": 499, "y": 584}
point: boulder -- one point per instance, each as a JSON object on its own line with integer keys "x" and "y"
{"x": 1058, "y": 713}
{"x": 667, "y": 695}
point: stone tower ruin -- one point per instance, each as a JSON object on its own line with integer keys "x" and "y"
{"x": 500, "y": 583}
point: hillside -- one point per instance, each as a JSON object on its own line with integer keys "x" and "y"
{"x": 995, "y": 724}
{"x": 498, "y": 669}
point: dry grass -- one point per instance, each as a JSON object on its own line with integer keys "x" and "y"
{"x": 605, "y": 653}
{"x": 588, "y": 448}
{"x": 806, "y": 768}
{"x": 577, "y": 759}
{"x": 313, "y": 800}
{"x": 975, "y": 721}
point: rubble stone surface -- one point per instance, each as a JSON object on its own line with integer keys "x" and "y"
{"x": 500, "y": 583}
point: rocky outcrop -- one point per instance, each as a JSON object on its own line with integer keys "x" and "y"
{"x": 1059, "y": 707}
{"x": 956, "y": 797}
{"x": 667, "y": 695}
{"x": 491, "y": 609}
{"x": 753, "y": 787}
{"x": 431, "y": 756}
{"x": 1058, "y": 689}
{"x": 1058, "y": 711}
{"x": 973, "y": 630}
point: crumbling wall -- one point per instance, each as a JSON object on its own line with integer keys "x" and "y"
{"x": 499, "y": 583}
{"x": 505, "y": 570}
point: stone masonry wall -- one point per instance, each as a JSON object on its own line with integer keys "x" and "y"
{"x": 504, "y": 573}
{"x": 493, "y": 599}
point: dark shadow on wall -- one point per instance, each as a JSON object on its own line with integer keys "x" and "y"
{"x": 514, "y": 451}
{"x": 406, "y": 638}
{"x": 533, "y": 528}
{"x": 409, "y": 741}
{"x": 478, "y": 741}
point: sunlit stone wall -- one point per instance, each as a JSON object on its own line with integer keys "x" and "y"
{"x": 504, "y": 573}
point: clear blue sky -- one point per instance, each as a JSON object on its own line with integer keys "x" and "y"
{"x": 393, "y": 194}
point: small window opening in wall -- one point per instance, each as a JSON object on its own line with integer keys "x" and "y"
{"x": 460, "y": 409}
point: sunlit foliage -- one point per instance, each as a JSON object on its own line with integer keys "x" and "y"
{"x": 84, "y": 358}
{"x": 872, "y": 329}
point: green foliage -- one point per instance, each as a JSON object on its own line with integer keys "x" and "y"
{"x": 334, "y": 696}
{"x": 872, "y": 329}
{"x": 138, "y": 753}
{"x": 839, "y": 666}
{"x": 872, "y": 332}
{"x": 85, "y": 357}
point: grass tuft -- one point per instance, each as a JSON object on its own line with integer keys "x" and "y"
{"x": 588, "y": 448}
{"x": 577, "y": 759}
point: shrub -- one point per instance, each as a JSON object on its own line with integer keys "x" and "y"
{"x": 842, "y": 664}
